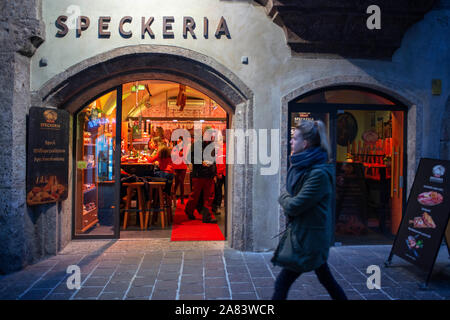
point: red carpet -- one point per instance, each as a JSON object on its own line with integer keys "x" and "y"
{"x": 184, "y": 229}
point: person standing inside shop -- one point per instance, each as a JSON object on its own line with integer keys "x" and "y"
{"x": 220, "y": 176}
{"x": 180, "y": 167}
{"x": 307, "y": 205}
{"x": 203, "y": 173}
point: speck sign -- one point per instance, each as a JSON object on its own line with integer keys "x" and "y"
{"x": 47, "y": 156}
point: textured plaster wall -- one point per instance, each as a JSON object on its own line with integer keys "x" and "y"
{"x": 272, "y": 73}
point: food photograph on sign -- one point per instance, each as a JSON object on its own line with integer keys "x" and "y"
{"x": 50, "y": 192}
{"x": 430, "y": 198}
{"x": 423, "y": 222}
{"x": 413, "y": 244}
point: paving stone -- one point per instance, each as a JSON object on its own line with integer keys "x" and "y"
{"x": 166, "y": 285}
{"x": 399, "y": 294}
{"x": 216, "y": 282}
{"x": 191, "y": 297}
{"x": 168, "y": 276}
{"x": 59, "y": 296}
{"x": 237, "y": 269}
{"x": 264, "y": 293}
{"x": 214, "y": 273}
{"x": 375, "y": 296}
{"x": 35, "y": 294}
{"x": 62, "y": 289}
{"x": 144, "y": 281}
{"x": 111, "y": 296}
{"x": 89, "y": 292}
{"x": 117, "y": 287}
{"x": 192, "y": 267}
{"x": 191, "y": 289}
{"x": 191, "y": 280}
{"x": 96, "y": 282}
{"x": 242, "y": 287}
{"x": 46, "y": 284}
{"x": 217, "y": 293}
{"x": 244, "y": 296}
{"x": 263, "y": 282}
{"x": 102, "y": 272}
{"x": 239, "y": 277}
{"x": 140, "y": 292}
{"x": 163, "y": 295}
{"x": 353, "y": 295}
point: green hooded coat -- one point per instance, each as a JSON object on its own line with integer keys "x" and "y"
{"x": 309, "y": 212}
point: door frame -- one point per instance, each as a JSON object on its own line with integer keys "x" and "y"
{"x": 332, "y": 110}
{"x": 117, "y": 165}
{"x": 116, "y": 209}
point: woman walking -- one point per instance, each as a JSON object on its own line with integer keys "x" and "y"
{"x": 307, "y": 205}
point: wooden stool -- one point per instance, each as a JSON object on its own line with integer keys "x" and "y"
{"x": 158, "y": 187}
{"x": 138, "y": 187}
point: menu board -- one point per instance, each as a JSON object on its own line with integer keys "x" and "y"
{"x": 427, "y": 212}
{"x": 47, "y": 156}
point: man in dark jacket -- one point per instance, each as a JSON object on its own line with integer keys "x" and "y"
{"x": 203, "y": 173}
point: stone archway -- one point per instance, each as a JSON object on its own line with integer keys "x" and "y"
{"x": 391, "y": 89}
{"x": 73, "y": 88}
{"x": 444, "y": 152}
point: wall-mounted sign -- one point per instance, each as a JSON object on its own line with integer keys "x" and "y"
{"x": 47, "y": 156}
{"x": 424, "y": 224}
{"x": 168, "y": 24}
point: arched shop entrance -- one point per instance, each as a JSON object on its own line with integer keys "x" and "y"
{"x": 141, "y": 116}
{"x": 367, "y": 132}
{"x": 92, "y": 78}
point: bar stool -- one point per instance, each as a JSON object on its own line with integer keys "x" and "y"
{"x": 131, "y": 186}
{"x": 157, "y": 189}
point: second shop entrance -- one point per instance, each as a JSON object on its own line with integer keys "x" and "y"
{"x": 366, "y": 133}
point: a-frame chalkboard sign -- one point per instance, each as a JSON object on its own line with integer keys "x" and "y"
{"x": 424, "y": 224}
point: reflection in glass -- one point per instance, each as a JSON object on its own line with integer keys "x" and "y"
{"x": 95, "y": 193}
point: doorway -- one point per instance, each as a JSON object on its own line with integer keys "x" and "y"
{"x": 367, "y": 134}
{"x": 119, "y": 127}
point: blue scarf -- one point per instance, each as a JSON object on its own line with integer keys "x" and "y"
{"x": 300, "y": 162}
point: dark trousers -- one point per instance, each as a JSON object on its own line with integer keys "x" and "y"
{"x": 218, "y": 192}
{"x": 287, "y": 277}
{"x": 180, "y": 174}
{"x": 199, "y": 185}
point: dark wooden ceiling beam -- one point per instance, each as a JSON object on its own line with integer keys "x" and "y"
{"x": 339, "y": 26}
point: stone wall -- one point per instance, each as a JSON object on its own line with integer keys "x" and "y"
{"x": 21, "y": 32}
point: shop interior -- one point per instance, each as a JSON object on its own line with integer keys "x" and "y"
{"x": 369, "y": 152}
{"x": 149, "y": 205}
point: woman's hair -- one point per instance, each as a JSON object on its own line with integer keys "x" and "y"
{"x": 165, "y": 152}
{"x": 160, "y": 132}
{"x": 315, "y": 133}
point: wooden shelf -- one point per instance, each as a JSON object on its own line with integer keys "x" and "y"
{"x": 86, "y": 191}
{"x": 88, "y": 212}
{"x": 90, "y": 225}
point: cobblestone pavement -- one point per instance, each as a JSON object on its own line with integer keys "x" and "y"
{"x": 160, "y": 269}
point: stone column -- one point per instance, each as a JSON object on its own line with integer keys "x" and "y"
{"x": 21, "y": 32}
